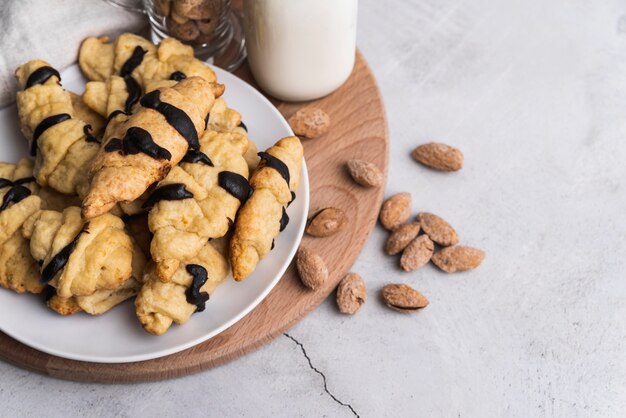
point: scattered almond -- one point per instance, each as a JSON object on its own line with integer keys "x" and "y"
{"x": 396, "y": 210}
{"x": 458, "y": 258}
{"x": 310, "y": 122}
{"x": 403, "y": 298}
{"x": 311, "y": 268}
{"x": 439, "y": 156}
{"x": 401, "y": 237}
{"x": 365, "y": 173}
{"x": 351, "y": 294}
{"x": 437, "y": 229}
{"x": 417, "y": 253}
{"x": 327, "y": 222}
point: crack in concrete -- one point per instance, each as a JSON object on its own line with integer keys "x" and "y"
{"x": 347, "y": 405}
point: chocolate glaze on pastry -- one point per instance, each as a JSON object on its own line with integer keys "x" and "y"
{"x": 284, "y": 220}
{"x": 176, "y": 191}
{"x": 243, "y": 125}
{"x": 133, "y": 61}
{"x": 178, "y": 119}
{"x": 193, "y": 293}
{"x": 60, "y": 260}
{"x": 134, "y": 93}
{"x": 41, "y": 75}
{"x": 15, "y": 194}
{"x": 196, "y": 156}
{"x": 48, "y": 122}
{"x": 177, "y": 76}
{"x": 235, "y": 184}
{"x": 135, "y": 141}
{"x": 89, "y": 137}
{"x": 268, "y": 160}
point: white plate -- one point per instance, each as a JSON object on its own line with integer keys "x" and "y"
{"x": 117, "y": 336}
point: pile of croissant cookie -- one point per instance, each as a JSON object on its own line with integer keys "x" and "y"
{"x": 146, "y": 186}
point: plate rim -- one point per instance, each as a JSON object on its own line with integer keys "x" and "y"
{"x": 304, "y": 183}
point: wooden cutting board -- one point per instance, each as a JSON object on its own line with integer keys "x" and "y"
{"x": 359, "y": 130}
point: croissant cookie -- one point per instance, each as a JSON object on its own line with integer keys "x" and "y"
{"x": 263, "y": 215}
{"x": 62, "y": 144}
{"x": 18, "y": 270}
{"x": 122, "y": 70}
{"x": 143, "y": 149}
{"x": 198, "y": 200}
{"x": 160, "y": 304}
{"x": 80, "y": 258}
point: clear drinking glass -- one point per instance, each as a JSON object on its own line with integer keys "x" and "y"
{"x": 211, "y": 27}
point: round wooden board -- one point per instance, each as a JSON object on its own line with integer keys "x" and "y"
{"x": 359, "y": 130}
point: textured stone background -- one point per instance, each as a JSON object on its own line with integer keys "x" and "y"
{"x": 534, "y": 93}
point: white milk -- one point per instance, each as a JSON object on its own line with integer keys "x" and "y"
{"x": 300, "y": 49}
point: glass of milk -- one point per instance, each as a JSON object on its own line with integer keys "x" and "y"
{"x": 300, "y": 49}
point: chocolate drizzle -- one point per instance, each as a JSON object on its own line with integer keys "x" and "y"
{"x": 41, "y": 75}
{"x": 89, "y": 137}
{"x": 235, "y": 184}
{"x": 60, "y": 260}
{"x": 193, "y": 293}
{"x": 134, "y": 93}
{"x": 195, "y": 156}
{"x": 177, "y": 76}
{"x": 15, "y": 194}
{"x": 135, "y": 141}
{"x": 293, "y": 197}
{"x": 48, "y": 293}
{"x": 206, "y": 120}
{"x": 48, "y": 122}
{"x": 243, "y": 125}
{"x": 176, "y": 191}
{"x": 133, "y": 61}
{"x": 178, "y": 119}
{"x": 7, "y": 182}
{"x": 284, "y": 220}
{"x": 114, "y": 114}
{"x": 268, "y": 160}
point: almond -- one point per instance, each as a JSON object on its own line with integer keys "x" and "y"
{"x": 310, "y": 122}
{"x": 351, "y": 294}
{"x": 458, "y": 258}
{"x": 311, "y": 268}
{"x": 395, "y": 211}
{"x": 327, "y": 222}
{"x": 417, "y": 253}
{"x": 401, "y": 237}
{"x": 439, "y": 156}
{"x": 365, "y": 173}
{"x": 437, "y": 229}
{"x": 403, "y": 298}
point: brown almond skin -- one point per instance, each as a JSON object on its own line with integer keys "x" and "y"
{"x": 437, "y": 229}
{"x": 310, "y": 122}
{"x": 439, "y": 156}
{"x": 311, "y": 268}
{"x": 458, "y": 258}
{"x": 327, "y": 222}
{"x": 395, "y": 211}
{"x": 401, "y": 237}
{"x": 403, "y": 298}
{"x": 351, "y": 294}
{"x": 365, "y": 173}
{"x": 417, "y": 253}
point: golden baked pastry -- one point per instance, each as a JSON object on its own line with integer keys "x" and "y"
{"x": 198, "y": 200}
{"x": 62, "y": 144}
{"x": 18, "y": 270}
{"x": 121, "y": 71}
{"x": 159, "y": 304}
{"x": 143, "y": 149}
{"x": 77, "y": 257}
{"x": 263, "y": 216}
{"x": 133, "y": 55}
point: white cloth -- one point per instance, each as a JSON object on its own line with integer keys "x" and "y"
{"x": 52, "y": 30}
